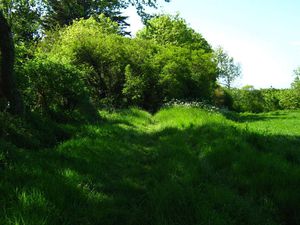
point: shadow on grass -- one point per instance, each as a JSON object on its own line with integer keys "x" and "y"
{"x": 213, "y": 174}
{"x": 252, "y": 117}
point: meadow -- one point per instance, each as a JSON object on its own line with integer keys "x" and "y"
{"x": 182, "y": 165}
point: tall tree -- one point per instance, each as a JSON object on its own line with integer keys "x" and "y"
{"x": 167, "y": 29}
{"x": 63, "y": 12}
{"x": 228, "y": 69}
{"x": 24, "y": 18}
{"x": 8, "y": 89}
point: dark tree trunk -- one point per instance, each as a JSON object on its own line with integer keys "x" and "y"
{"x": 8, "y": 89}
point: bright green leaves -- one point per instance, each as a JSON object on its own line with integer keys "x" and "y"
{"x": 173, "y": 30}
{"x": 119, "y": 71}
{"x": 51, "y": 86}
{"x": 24, "y": 17}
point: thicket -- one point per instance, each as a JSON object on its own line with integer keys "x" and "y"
{"x": 249, "y": 99}
{"x": 88, "y": 65}
{"x": 91, "y": 61}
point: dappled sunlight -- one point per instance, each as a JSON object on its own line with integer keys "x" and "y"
{"x": 99, "y": 127}
{"x": 206, "y": 169}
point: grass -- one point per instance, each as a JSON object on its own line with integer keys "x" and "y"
{"x": 179, "y": 166}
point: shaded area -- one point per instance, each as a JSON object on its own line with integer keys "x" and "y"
{"x": 118, "y": 174}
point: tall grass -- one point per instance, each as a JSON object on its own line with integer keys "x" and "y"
{"x": 179, "y": 166}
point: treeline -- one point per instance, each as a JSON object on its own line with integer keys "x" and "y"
{"x": 90, "y": 63}
{"x": 249, "y": 99}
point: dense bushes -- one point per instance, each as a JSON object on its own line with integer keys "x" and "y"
{"x": 248, "y": 99}
{"x": 90, "y": 62}
{"x": 51, "y": 86}
{"x": 119, "y": 71}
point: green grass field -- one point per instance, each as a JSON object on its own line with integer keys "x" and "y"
{"x": 182, "y": 166}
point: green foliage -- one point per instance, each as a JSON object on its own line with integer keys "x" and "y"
{"x": 248, "y": 99}
{"x": 51, "y": 87}
{"x": 185, "y": 74}
{"x": 289, "y": 99}
{"x": 183, "y": 165}
{"x": 30, "y": 19}
{"x": 271, "y": 99}
{"x": 173, "y": 30}
{"x": 223, "y": 98}
{"x": 228, "y": 70}
{"x": 141, "y": 85}
{"x": 134, "y": 87}
{"x": 64, "y": 12}
{"x": 24, "y": 16}
{"x": 100, "y": 53}
{"x": 120, "y": 71}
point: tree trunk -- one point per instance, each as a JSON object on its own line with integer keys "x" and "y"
{"x": 8, "y": 89}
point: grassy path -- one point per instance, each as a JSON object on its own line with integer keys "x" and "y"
{"x": 180, "y": 166}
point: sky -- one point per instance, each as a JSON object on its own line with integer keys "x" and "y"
{"x": 262, "y": 35}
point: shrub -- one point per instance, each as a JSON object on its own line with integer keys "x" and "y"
{"x": 222, "y": 98}
{"x": 94, "y": 46}
{"x": 120, "y": 71}
{"x": 271, "y": 98}
{"x": 51, "y": 87}
{"x": 247, "y": 99}
{"x": 290, "y": 98}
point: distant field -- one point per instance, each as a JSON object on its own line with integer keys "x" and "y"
{"x": 280, "y": 122}
{"x": 179, "y": 166}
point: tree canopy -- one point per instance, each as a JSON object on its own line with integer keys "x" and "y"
{"x": 173, "y": 30}
{"x": 229, "y": 70}
{"x": 30, "y": 18}
{"x": 136, "y": 71}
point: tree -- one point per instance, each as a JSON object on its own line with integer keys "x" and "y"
{"x": 228, "y": 69}
{"x": 63, "y": 12}
{"x": 185, "y": 62}
{"x": 173, "y": 30}
{"x": 24, "y": 18}
{"x": 296, "y": 82}
{"x": 295, "y": 88}
{"x": 8, "y": 88}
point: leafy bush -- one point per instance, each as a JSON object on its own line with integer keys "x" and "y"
{"x": 120, "y": 71}
{"x": 94, "y": 46}
{"x": 51, "y": 87}
{"x": 271, "y": 98}
{"x": 249, "y": 99}
{"x": 290, "y": 98}
{"x": 173, "y": 30}
{"x": 185, "y": 74}
{"x": 222, "y": 98}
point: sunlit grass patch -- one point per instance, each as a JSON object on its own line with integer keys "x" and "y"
{"x": 182, "y": 165}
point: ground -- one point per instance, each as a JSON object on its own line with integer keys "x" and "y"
{"x": 183, "y": 165}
